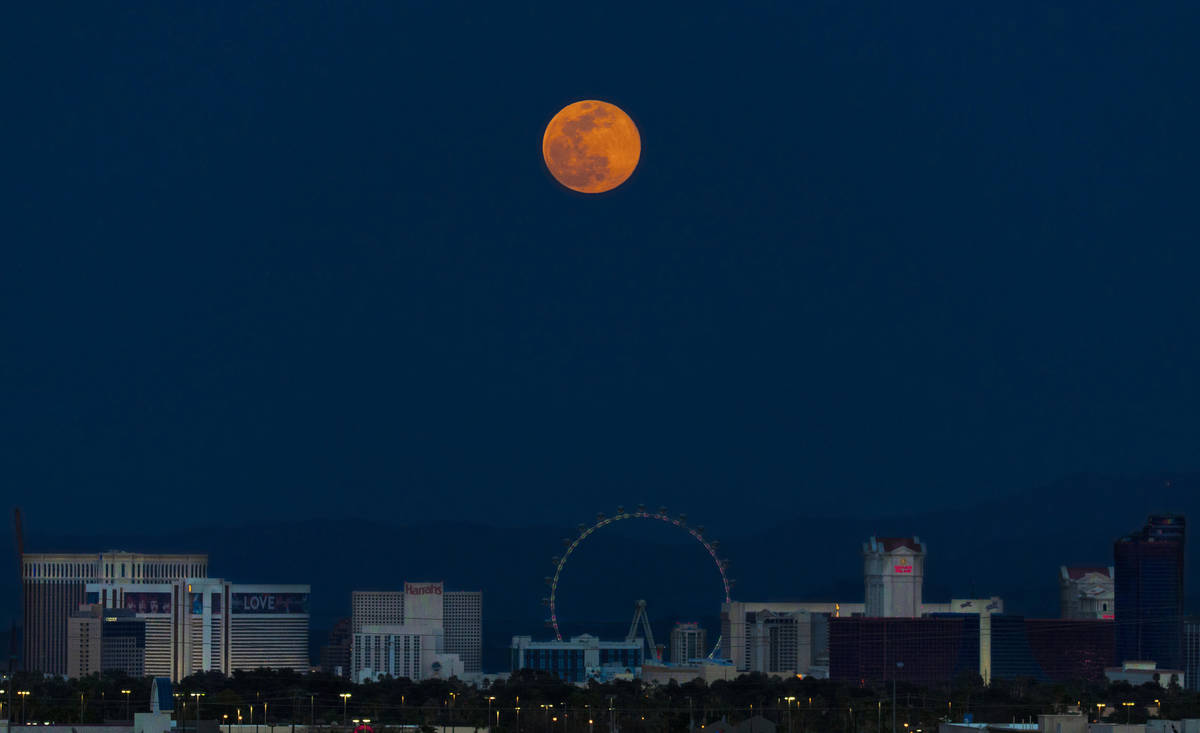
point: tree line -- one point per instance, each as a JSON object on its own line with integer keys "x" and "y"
{"x": 535, "y": 702}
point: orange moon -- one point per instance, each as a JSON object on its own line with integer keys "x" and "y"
{"x": 591, "y": 146}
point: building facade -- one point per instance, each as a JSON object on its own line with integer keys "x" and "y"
{"x": 53, "y": 586}
{"x": 212, "y": 625}
{"x": 703, "y": 669}
{"x": 268, "y": 627}
{"x": 1191, "y": 652}
{"x": 579, "y": 659}
{"x": 936, "y": 648}
{"x": 386, "y": 650}
{"x": 1138, "y": 673}
{"x": 1086, "y": 592}
{"x": 1051, "y": 650}
{"x": 123, "y": 643}
{"x": 1149, "y": 593}
{"x": 755, "y": 633}
{"x": 689, "y": 641}
{"x": 375, "y": 608}
{"x": 893, "y": 576}
{"x": 918, "y": 650}
{"x": 83, "y": 642}
{"x": 335, "y": 654}
{"x": 105, "y": 640}
{"x": 462, "y": 621}
{"x": 455, "y": 618}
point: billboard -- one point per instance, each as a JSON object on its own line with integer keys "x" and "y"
{"x": 148, "y": 602}
{"x": 268, "y": 603}
{"x": 198, "y": 603}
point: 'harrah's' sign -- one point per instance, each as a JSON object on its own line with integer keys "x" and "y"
{"x": 423, "y": 589}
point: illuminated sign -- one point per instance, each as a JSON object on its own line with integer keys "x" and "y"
{"x": 148, "y": 602}
{"x": 904, "y": 568}
{"x": 268, "y": 603}
{"x": 418, "y": 589}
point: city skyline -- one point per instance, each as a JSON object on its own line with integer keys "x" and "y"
{"x": 733, "y": 366}
{"x": 852, "y": 600}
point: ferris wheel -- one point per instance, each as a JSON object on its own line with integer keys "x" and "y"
{"x": 585, "y": 531}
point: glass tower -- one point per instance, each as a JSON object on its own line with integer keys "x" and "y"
{"x": 1149, "y": 592}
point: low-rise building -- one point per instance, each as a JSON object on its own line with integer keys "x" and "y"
{"x": 707, "y": 670}
{"x": 1191, "y": 652}
{"x": 1139, "y": 672}
{"x": 580, "y": 658}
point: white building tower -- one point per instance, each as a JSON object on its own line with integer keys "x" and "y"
{"x": 893, "y": 572}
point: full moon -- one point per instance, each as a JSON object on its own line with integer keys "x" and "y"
{"x": 591, "y": 146}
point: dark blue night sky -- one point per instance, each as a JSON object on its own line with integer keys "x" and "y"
{"x": 293, "y": 260}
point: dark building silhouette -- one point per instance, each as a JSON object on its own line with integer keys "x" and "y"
{"x": 1051, "y": 650}
{"x": 931, "y": 649}
{"x": 1149, "y": 592}
{"x": 335, "y": 655}
{"x": 939, "y": 647}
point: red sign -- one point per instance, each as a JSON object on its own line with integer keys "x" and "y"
{"x": 904, "y": 568}
{"x": 414, "y": 589}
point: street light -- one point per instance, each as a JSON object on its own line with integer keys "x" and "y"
{"x": 1127, "y": 706}
{"x": 1099, "y": 710}
{"x": 790, "y": 699}
{"x": 126, "y": 694}
{"x": 345, "y": 699}
{"x": 197, "y": 695}
{"x": 24, "y": 694}
{"x": 899, "y": 665}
